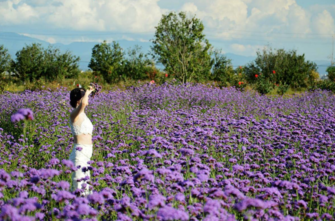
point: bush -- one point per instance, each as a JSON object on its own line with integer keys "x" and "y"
{"x": 331, "y": 73}
{"x": 264, "y": 85}
{"x": 137, "y": 66}
{"x": 107, "y": 61}
{"x": 222, "y": 71}
{"x": 326, "y": 85}
{"x": 5, "y": 60}
{"x": 282, "y": 88}
{"x": 281, "y": 66}
{"x": 34, "y": 62}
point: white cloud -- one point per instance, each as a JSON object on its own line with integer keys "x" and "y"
{"x": 135, "y": 16}
{"x": 246, "y": 50}
{"x": 323, "y": 23}
{"x": 247, "y": 23}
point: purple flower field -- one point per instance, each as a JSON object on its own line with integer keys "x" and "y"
{"x": 171, "y": 152}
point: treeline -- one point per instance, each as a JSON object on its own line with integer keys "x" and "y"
{"x": 180, "y": 45}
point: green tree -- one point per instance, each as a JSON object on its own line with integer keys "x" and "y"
{"x": 331, "y": 73}
{"x": 181, "y": 46}
{"x": 222, "y": 70}
{"x": 5, "y": 60}
{"x": 137, "y": 65}
{"x": 29, "y": 63}
{"x": 277, "y": 66}
{"x": 60, "y": 65}
{"x": 107, "y": 61}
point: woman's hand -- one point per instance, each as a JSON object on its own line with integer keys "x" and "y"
{"x": 90, "y": 90}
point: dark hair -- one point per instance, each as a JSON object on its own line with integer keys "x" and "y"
{"x": 75, "y": 95}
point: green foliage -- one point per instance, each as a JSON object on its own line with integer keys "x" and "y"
{"x": 34, "y": 62}
{"x": 326, "y": 85}
{"x": 107, "y": 61}
{"x": 222, "y": 70}
{"x": 5, "y": 60}
{"x": 331, "y": 73}
{"x": 58, "y": 65}
{"x": 137, "y": 66}
{"x": 264, "y": 85}
{"x": 252, "y": 72}
{"x": 282, "y": 88}
{"x": 181, "y": 47}
{"x": 281, "y": 66}
{"x": 29, "y": 63}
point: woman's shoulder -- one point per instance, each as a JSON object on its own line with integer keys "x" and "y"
{"x": 74, "y": 115}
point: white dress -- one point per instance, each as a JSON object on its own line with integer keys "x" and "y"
{"x": 80, "y": 155}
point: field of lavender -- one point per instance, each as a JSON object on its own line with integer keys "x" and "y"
{"x": 169, "y": 152}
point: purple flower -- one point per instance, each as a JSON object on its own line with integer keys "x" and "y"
{"x": 83, "y": 209}
{"x": 144, "y": 174}
{"x": 17, "y": 117}
{"x": 64, "y": 185}
{"x": 62, "y": 195}
{"x": 96, "y": 198}
{"x": 203, "y": 175}
{"x": 54, "y": 161}
{"x": 170, "y": 213}
{"x": 301, "y": 203}
{"x": 23, "y": 194}
{"x": 180, "y": 197}
{"x": 29, "y": 207}
{"x": 9, "y": 212}
{"x": 39, "y": 216}
{"x": 27, "y": 113}
{"x": 156, "y": 200}
{"x": 257, "y": 203}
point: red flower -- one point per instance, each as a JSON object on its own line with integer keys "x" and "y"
{"x": 240, "y": 67}
{"x": 274, "y": 72}
{"x": 256, "y": 75}
{"x": 239, "y": 83}
{"x": 166, "y": 75}
{"x": 77, "y": 85}
{"x": 152, "y": 82}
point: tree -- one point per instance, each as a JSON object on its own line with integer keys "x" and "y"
{"x": 29, "y": 63}
{"x": 107, "y": 60}
{"x": 5, "y": 60}
{"x": 34, "y": 62}
{"x": 280, "y": 66}
{"x": 331, "y": 73}
{"x": 181, "y": 47}
{"x": 222, "y": 70}
{"x": 137, "y": 65}
{"x": 60, "y": 65}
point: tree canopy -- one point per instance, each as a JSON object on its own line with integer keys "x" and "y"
{"x": 180, "y": 45}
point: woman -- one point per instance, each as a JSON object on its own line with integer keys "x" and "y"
{"x": 82, "y": 129}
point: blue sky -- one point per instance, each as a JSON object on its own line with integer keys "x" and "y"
{"x": 235, "y": 26}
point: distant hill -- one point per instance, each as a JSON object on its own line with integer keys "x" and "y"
{"x": 15, "y": 42}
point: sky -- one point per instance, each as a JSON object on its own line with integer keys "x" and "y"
{"x": 234, "y": 26}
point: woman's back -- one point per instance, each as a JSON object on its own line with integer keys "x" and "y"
{"x": 82, "y": 128}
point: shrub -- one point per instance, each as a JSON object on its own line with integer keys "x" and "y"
{"x": 326, "y": 85}
{"x": 281, "y": 66}
{"x": 264, "y": 85}
{"x": 222, "y": 71}
{"x": 282, "y": 88}
{"x": 331, "y": 73}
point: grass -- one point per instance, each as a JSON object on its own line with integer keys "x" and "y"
{"x": 85, "y": 78}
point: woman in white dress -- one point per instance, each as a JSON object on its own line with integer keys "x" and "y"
{"x": 82, "y": 129}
